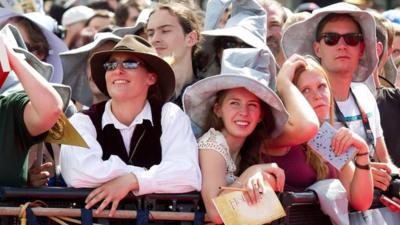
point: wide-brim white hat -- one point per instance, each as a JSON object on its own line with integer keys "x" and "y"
{"x": 56, "y": 44}
{"x": 250, "y": 68}
{"x": 299, "y": 37}
{"x": 74, "y": 65}
{"x": 247, "y": 21}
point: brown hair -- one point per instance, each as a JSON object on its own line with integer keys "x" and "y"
{"x": 187, "y": 18}
{"x": 249, "y": 153}
{"x": 316, "y": 162}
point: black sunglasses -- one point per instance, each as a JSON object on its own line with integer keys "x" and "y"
{"x": 127, "y": 64}
{"x": 351, "y": 39}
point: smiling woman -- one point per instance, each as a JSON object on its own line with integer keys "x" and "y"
{"x": 138, "y": 141}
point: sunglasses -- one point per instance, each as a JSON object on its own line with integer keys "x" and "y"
{"x": 127, "y": 64}
{"x": 234, "y": 44}
{"x": 351, "y": 39}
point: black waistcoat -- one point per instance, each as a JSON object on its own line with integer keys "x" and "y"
{"x": 145, "y": 147}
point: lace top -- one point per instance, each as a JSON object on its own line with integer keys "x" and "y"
{"x": 215, "y": 141}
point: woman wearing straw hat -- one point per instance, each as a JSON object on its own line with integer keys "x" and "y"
{"x": 311, "y": 79}
{"x": 242, "y": 111}
{"x": 137, "y": 141}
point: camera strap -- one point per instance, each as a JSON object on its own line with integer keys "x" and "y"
{"x": 364, "y": 118}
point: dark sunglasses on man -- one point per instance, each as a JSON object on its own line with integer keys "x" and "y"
{"x": 331, "y": 38}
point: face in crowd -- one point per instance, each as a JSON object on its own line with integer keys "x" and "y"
{"x": 240, "y": 112}
{"x": 340, "y": 45}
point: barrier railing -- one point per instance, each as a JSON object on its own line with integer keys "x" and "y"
{"x": 300, "y": 207}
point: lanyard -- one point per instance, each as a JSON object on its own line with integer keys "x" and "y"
{"x": 364, "y": 118}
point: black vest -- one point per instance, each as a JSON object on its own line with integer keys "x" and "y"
{"x": 145, "y": 147}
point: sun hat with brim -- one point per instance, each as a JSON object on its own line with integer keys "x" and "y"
{"x": 14, "y": 39}
{"x": 74, "y": 66}
{"x": 250, "y": 68}
{"x": 299, "y": 37}
{"x": 140, "y": 48}
{"x": 247, "y": 22}
{"x": 77, "y": 14}
{"x": 139, "y": 25}
{"x": 56, "y": 44}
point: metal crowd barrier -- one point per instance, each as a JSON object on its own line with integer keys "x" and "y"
{"x": 301, "y": 207}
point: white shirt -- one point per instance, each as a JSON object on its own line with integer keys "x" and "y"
{"x": 178, "y": 171}
{"x": 353, "y": 116}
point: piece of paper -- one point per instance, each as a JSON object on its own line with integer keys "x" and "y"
{"x": 234, "y": 209}
{"x": 322, "y": 144}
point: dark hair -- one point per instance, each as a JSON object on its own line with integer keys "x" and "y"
{"x": 249, "y": 153}
{"x": 334, "y": 17}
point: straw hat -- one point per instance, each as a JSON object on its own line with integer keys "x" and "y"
{"x": 139, "y": 47}
{"x": 253, "y": 69}
{"x": 299, "y": 37}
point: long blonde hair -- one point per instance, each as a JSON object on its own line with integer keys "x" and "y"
{"x": 316, "y": 162}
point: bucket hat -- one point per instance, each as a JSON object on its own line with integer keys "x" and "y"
{"x": 140, "y": 48}
{"x": 56, "y": 44}
{"x": 250, "y": 68}
{"x": 74, "y": 66}
{"x": 247, "y": 21}
{"x": 76, "y": 14}
{"x": 299, "y": 37}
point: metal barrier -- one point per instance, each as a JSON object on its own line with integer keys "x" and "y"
{"x": 301, "y": 208}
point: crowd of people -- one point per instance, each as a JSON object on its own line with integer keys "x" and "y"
{"x": 173, "y": 98}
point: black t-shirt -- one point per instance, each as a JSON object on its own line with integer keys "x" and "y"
{"x": 388, "y": 100}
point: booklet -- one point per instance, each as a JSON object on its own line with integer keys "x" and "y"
{"x": 234, "y": 210}
{"x": 322, "y": 144}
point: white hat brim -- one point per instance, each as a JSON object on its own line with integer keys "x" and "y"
{"x": 299, "y": 37}
{"x": 200, "y": 97}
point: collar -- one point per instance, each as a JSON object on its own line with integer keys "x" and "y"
{"x": 109, "y": 117}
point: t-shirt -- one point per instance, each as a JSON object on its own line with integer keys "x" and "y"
{"x": 215, "y": 141}
{"x": 298, "y": 173}
{"x": 15, "y": 140}
{"x": 388, "y": 100}
{"x": 353, "y": 116}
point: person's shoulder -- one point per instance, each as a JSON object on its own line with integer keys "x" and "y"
{"x": 361, "y": 90}
{"x": 213, "y": 136}
{"x": 171, "y": 109}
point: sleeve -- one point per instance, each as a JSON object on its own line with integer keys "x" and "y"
{"x": 211, "y": 141}
{"x": 81, "y": 167}
{"x": 179, "y": 170}
{"x": 14, "y": 104}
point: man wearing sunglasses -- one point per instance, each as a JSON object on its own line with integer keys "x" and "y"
{"x": 138, "y": 142}
{"x": 343, "y": 38}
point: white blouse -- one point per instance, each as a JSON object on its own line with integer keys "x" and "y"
{"x": 215, "y": 141}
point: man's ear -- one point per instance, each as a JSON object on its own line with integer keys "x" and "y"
{"x": 192, "y": 38}
{"x": 362, "y": 48}
{"x": 317, "y": 48}
{"x": 379, "y": 48}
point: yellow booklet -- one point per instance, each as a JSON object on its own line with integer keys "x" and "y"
{"x": 234, "y": 210}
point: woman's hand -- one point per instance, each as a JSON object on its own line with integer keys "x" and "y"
{"x": 256, "y": 177}
{"x": 345, "y": 138}
{"x": 286, "y": 73}
{"x": 112, "y": 192}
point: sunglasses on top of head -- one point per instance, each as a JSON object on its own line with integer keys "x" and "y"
{"x": 127, "y": 64}
{"x": 351, "y": 39}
